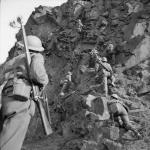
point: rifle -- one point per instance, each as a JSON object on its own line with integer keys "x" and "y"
{"x": 45, "y": 99}
{"x": 35, "y": 89}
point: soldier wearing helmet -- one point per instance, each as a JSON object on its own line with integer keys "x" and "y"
{"x": 110, "y": 51}
{"x": 104, "y": 71}
{"x": 17, "y": 108}
{"x": 66, "y": 83}
{"x": 118, "y": 109}
{"x": 104, "y": 59}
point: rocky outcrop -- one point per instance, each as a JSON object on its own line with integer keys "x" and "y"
{"x": 80, "y": 119}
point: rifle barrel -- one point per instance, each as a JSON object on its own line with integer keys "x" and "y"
{"x": 46, "y": 124}
{"x": 26, "y": 46}
{"x": 35, "y": 89}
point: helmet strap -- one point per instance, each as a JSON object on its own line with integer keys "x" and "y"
{"x": 32, "y": 51}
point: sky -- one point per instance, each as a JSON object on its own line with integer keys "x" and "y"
{"x": 10, "y": 10}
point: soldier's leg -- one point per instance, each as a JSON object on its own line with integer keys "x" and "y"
{"x": 105, "y": 75}
{"x": 120, "y": 121}
{"x": 14, "y": 131}
{"x": 113, "y": 80}
{"x": 125, "y": 118}
{"x": 127, "y": 124}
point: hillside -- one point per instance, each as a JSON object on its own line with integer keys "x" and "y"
{"x": 69, "y": 32}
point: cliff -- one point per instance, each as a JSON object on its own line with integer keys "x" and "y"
{"x": 80, "y": 119}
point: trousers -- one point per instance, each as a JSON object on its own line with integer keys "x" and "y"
{"x": 123, "y": 114}
{"x": 16, "y": 125}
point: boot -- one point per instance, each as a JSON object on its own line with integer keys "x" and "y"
{"x": 130, "y": 127}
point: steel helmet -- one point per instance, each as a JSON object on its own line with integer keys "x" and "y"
{"x": 115, "y": 96}
{"x": 104, "y": 59}
{"x": 34, "y": 43}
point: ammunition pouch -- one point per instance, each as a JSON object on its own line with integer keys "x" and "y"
{"x": 18, "y": 88}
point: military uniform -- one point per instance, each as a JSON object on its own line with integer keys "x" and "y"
{"x": 118, "y": 109}
{"x": 16, "y": 110}
{"x": 65, "y": 83}
{"x": 104, "y": 71}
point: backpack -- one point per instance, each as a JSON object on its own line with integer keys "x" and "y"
{"x": 17, "y": 84}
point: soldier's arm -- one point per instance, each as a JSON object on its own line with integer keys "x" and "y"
{"x": 38, "y": 71}
{"x": 12, "y": 63}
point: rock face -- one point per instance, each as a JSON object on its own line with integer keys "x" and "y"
{"x": 80, "y": 119}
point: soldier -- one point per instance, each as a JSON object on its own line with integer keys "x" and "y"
{"x": 66, "y": 83}
{"x": 110, "y": 52}
{"x": 78, "y": 8}
{"x": 80, "y": 25}
{"x": 17, "y": 108}
{"x": 104, "y": 69}
{"x": 118, "y": 109}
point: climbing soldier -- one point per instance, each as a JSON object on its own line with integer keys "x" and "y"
{"x": 78, "y": 8}
{"x": 17, "y": 108}
{"x": 118, "y": 109}
{"x": 80, "y": 25}
{"x": 66, "y": 83}
{"x": 103, "y": 70}
{"x": 110, "y": 52}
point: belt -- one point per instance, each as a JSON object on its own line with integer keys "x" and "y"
{"x": 22, "y": 77}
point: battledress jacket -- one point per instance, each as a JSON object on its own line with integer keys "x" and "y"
{"x": 114, "y": 108}
{"x": 37, "y": 69}
{"x": 18, "y": 65}
{"x": 103, "y": 66}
